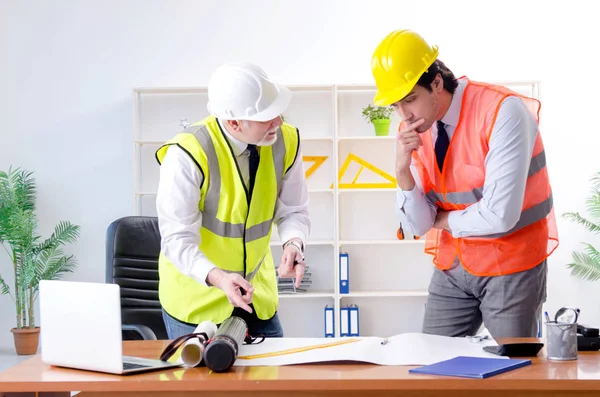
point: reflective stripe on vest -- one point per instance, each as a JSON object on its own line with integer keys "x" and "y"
{"x": 250, "y": 275}
{"x": 536, "y": 164}
{"x": 528, "y": 216}
{"x": 211, "y": 203}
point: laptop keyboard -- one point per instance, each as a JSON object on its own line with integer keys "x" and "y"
{"x": 127, "y": 365}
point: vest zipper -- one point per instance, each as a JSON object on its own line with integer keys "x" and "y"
{"x": 458, "y": 124}
{"x": 237, "y": 167}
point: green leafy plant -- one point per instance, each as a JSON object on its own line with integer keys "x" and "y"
{"x": 32, "y": 258}
{"x": 586, "y": 265}
{"x": 372, "y": 113}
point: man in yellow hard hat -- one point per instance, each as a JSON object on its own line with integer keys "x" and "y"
{"x": 472, "y": 177}
{"x": 224, "y": 181}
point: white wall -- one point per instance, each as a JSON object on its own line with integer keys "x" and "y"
{"x": 68, "y": 67}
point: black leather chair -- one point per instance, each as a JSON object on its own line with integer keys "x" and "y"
{"x": 132, "y": 250}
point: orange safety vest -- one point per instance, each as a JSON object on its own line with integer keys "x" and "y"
{"x": 460, "y": 184}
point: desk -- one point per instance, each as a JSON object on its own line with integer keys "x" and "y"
{"x": 543, "y": 378}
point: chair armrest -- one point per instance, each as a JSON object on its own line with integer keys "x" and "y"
{"x": 145, "y": 332}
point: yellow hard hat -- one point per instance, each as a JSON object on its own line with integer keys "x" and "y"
{"x": 397, "y": 64}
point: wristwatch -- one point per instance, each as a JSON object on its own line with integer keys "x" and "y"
{"x": 294, "y": 243}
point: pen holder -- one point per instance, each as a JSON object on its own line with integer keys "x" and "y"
{"x": 561, "y": 341}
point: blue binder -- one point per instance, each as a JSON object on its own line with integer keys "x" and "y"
{"x": 354, "y": 323}
{"x": 329, "y": 322}
{"x": 344, "y": 321}
{"x": 344, "y": 273}
{"x": 471, "y": 367}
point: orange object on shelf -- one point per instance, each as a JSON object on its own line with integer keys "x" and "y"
{"x": 400, "y": 233}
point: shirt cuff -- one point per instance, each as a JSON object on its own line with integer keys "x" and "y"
{"x": 412, "y": 194}
{"x": 404, "y": 197}
{"x": 400, "y": 200}
{"x": 285, "y": 235}
{"x": 200, "y": 271}
{"x": 454, "y": 222}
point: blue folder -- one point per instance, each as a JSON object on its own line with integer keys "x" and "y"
{"x": 471, "y": 367}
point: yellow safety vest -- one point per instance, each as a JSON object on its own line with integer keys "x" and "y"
{"x": 235, "y": 232}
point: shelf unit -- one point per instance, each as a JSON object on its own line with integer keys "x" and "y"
{"x": 388, "y": 277}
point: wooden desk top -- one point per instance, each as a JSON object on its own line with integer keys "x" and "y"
{"x": 543, "y": 377}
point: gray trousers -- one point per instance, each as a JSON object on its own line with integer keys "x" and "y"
{"x": 508, "y": 306}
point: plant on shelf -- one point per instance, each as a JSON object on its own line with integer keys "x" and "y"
{"x": 586, "y": 265}
{"x": 31, "y": 258}
{"x": 379, "y": 116}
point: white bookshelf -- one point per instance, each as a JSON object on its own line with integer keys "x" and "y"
{"x": 388, "y": 277}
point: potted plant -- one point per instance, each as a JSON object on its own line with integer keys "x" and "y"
{"x": 31, "y": 258}
{"x": 379, "y": 116}
{"x": 586, "y": 265}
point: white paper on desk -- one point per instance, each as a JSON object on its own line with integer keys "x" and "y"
{"x": 402, "y": 349}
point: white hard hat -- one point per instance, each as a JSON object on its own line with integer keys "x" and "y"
{"x": 242, "y": 91}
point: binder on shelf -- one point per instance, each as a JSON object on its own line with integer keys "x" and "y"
{"x": 344, "y": 273}
{"x": 354, "y": 321}
{"x": 329, "y": 322}
{"x": 344, "y": 321}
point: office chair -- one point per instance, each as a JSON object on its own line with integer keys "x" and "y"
{"x": 132, "y": 249}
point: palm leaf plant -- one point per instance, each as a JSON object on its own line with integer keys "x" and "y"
{"x": 31, "y": 258}
{"x": 586, "y": 263}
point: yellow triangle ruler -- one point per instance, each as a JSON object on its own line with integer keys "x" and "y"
{"x": 364, "y": 164}
{"x": 317, "y": 162}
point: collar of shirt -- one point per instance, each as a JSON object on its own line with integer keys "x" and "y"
{"x": 238, "y": 146}
{"x": 452, "y": 115}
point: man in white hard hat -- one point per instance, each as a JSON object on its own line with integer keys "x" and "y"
{"x": 223, "y": 182}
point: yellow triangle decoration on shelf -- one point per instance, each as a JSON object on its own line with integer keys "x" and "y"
{"x": 364, "y": 164}
{"x": 317, "y": 162}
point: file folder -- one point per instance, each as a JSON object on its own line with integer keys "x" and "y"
{"x": 344, "y": 321}
{"x": 329, "y": 322}
{"x": 471, "y": 367}
{"x": 344, "y": 274}
{"x": 354, "y": 322}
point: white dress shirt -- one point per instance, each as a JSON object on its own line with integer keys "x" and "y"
{"x": 180, "y": 220}
{"x": 506, "y": 168}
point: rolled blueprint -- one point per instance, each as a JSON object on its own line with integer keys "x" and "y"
{"x": 191, "y": 353}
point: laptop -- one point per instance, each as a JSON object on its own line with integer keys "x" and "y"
{"x": 81, "y": 328}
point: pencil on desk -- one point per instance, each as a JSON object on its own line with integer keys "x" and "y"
{"x": 298, "y": 349}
